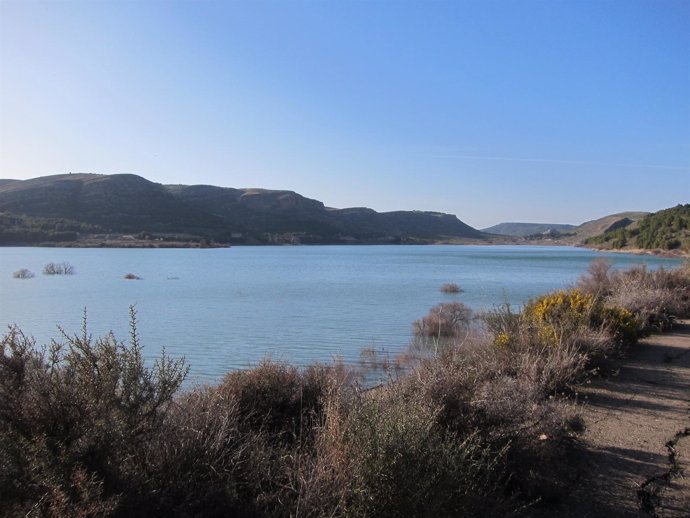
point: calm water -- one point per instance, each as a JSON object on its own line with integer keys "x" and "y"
{"x": 228, "y": 308}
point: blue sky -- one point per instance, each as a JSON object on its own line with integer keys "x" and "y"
{"x": 544, "y": 111}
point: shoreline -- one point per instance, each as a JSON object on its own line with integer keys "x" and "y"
{"x": 657, "y": 252}
{"x": 146, "y": 243}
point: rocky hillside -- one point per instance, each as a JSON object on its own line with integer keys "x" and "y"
{"x": 131, "y": 204}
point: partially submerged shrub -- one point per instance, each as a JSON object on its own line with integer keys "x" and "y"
{"x": 132, "y": 277}
{"x": 451, "y": 287}
{"x": 23, "y": 274}
{"x": 63, "y": 268}
{"x": 448, "y": 319}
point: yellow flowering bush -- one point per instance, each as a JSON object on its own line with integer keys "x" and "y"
{"x": 555, "y": 307}
{"x": 552, "y": 318}
{"x": 623, "y": 324}
{"x": 553, "y": 314}
{"x": 502, "y": 340}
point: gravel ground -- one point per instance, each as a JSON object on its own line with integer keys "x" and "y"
{"x": 637, "y": 441}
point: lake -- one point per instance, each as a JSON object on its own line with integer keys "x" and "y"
{"x": 228, "y": 308}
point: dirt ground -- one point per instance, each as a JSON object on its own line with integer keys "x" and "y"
{"x": 637, "y": 440}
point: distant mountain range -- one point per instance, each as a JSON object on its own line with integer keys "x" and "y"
{"x": 527, "y": 229}
{"x": 68, "y": 206}
{"x": 566, "y": 234}
{"x": 128, "y": 210}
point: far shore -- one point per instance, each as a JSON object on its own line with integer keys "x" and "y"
{"x": 678, "y": 254}
{"x": 120, "y": 241}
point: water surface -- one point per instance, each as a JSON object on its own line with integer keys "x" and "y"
{"x": 229, "y": 308}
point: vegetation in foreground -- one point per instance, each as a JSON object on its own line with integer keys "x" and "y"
{"x": 479, "y": 425}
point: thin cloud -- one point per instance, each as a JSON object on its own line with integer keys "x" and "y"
{"x": 556, "y": 161}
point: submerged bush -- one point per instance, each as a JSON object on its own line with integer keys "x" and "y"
{"x": 451, "y": 287}
{"x": 23, "y": 274}
{"x": 63, "y": 268}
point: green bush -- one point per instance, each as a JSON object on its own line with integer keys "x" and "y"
{"x": 403, "y": 464}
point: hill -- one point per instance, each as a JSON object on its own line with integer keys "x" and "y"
{"x": 527, "y": 229}
{"x": 130, "y": 204}
{"x": 115, "y": 203}
{"x": 606, "y": 224}
{"x": 578, "y": 235}
{"x": 667, "y": 229}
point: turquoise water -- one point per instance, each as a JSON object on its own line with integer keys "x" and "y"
{"x": 228, "y": 308}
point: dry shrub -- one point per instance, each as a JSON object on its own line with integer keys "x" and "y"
{"x": 656, "y": 297}
{"x": 560, "y": 337}
{"x": 201, "y": 460}
{"x": 503, "y": 396}
{"x": 597, "y": 280}
{"x": 448, "y": 319}
{"x": 281, "y": 399}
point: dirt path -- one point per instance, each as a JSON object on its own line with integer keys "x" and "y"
{"x": 638, "y": 435}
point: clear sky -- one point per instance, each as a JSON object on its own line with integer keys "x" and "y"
{"x": 536, "y": 111}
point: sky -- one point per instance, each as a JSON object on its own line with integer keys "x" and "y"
{"x": 536, "y": 111}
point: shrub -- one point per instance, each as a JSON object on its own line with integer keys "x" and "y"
{"x": 503, "y": 395}
{"x": 403, "y": 464}
{"x": 74, "y": 419}
{"x": 278, "y": 398}
{"x": 555, "y": 336}
{"x": 655, "y": 298}
{"x": 200, "y": 460}
{"x": 623, "y": 325}
{"x": 23, "y": 274}
{"x": 58, "y": 269}
{"x": 596, "y": 281}
{"x": 572, "y": 307}
{"x": 451, "y": 287}
{"x": 447, "y": 319}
